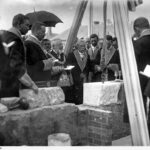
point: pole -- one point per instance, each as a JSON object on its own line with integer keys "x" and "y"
{"x": 134, "y": 100}
{"x": 90, "y": 30}
{"x": 102, "y": 62}
{"x": 75, "y": 25}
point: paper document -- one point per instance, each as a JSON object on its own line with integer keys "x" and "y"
{"x": 146, "y": 71}
{"x": 69, "y": 68}
{"x": 55, "y": 60}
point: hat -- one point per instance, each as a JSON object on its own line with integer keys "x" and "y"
{"x": 141, "y": 22}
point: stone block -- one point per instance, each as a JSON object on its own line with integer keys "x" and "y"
{"x": 45, "y": 96}
{"x": 3, "y": 108}
{"x": 99, "y": 126}
{"x": 59, "y": 139}
{"x": 119, "y": 128}
{"x": 98, "y": 93}
{"x": 9, "y": 101}
{"x": 82, "y": 123}
{"x": 32, "y": 127}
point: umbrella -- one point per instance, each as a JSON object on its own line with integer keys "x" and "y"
{"x": 49, "y": 19}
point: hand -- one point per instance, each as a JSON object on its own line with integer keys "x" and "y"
{"x": 57, "y": 69}
{"x": 113, "y": 67}
{"x": 35, "y": 88}
{"x": 82, "y": 75}
{"x": 51, "y": 60}
{"x": 97, "y": 68}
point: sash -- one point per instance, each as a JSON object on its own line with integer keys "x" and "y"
{"x": 109, "y": 54}
{"x": 81, "y": 63}
{"x": 34, "y": 40}
{"x": 37, "y": 42}
{"x": 52, "y": 51}
{"x": 145, "y": 32}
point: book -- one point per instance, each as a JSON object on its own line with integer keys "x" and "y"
{"x": 69, "y": 67}
{"x": 146, "y": 71}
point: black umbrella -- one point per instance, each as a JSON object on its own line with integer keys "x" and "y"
{"x": 49, "y": 19}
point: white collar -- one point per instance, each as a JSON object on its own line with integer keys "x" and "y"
{"x": 93, "y": 48}
{"x": 34, "y": 37}
{"x": 145, "y": 32}
{"x": 81, "y": 54}
{"x": 15, "y": 31}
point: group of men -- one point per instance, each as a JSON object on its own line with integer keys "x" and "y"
{"x": 86, "y": 58}
{"x": 34, "y": 62}
{"x": 24, "y": 64}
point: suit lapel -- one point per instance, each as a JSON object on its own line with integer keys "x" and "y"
{"x": 93, "y": 54}
{"x": 81, "y": 63}
{"x": 90, "y": 52}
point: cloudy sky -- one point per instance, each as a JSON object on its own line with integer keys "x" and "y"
{"x": 64, "y": 9}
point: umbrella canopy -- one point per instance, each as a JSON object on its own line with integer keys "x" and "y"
{"x": 49, "y": 19}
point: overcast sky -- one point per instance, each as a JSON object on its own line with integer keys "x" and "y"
{"x": 64, "y": 9}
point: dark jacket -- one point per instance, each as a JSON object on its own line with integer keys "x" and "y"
{"x": 81, "y": 67}
{"x": 79, "y": 74}
{"x": 115, "y": 59}
{"x": 12, "y": 65}
{"x": 35, "y": 65}
{"x": 94, "y": 60}
{"x": 142, "y": 54}
{"x": 59, "y": 57}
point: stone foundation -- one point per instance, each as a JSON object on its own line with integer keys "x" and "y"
{"x": 32, "y": 127}
{"x": 85, "y": 125}
{"x": 119, "y": 128}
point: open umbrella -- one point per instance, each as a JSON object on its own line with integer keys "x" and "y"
{"x": 49, "y": 19}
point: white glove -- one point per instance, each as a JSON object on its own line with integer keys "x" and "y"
{"x": 48, "y": 63}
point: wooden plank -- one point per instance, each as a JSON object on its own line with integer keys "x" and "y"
{"x": 102, "y": 62}
{"x": 75, "y": 25}
{"x": 90, "y": 30}
{"x": 135, "y": 105}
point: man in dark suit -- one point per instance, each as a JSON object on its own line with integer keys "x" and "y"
{"x": 58, "y": 54}
{"x": 80, "y": 60}
{"x": 39, "y": 66}
{"x": 142, "y": 54}
{"x": 112, "y": 59}
{"x": 46, "y": 45}
{"x": 13, "y": 69}
{"x": 57, "y": 51}
{"x": 94, "y": 53}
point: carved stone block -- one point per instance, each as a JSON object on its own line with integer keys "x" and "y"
{"x": 45, "y": 96}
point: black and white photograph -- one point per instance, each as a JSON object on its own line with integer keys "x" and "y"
{"x": 74, "y": 73}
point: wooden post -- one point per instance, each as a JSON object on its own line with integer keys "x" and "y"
{"x": 90, "y": 30}
{"x": 134, "y": 100}
{"x": 75, "y": 25}
{"x": 102, "y": 62}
